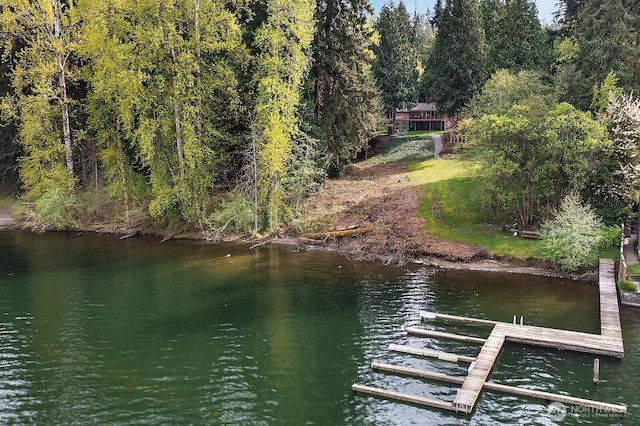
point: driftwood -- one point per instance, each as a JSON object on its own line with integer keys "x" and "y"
{"x": 132, "y": 234}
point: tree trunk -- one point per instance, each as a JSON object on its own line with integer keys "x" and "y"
{"x": 326, "y": 77}
{"x": 66, "y": 127}
{"x": 178, "y": 119}
{"x": 123, "y": 174}
{"x": 198, "y": 71}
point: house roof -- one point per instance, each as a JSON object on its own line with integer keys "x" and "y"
{"x": 425, "y": 107}
{"x": 422, "y": 106}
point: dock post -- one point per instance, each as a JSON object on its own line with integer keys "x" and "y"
{"x": 596, "y": 371}
{"x": 514, "y": 319}
{"x": 521, "y": 320}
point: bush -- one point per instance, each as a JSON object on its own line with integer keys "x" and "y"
{"x": 572, "y": 239}
{"x": 232, "y": 215}
{"x": 626, "y": 285}
{"x": 55, "y": 209}
{"x": 610, "y": 237}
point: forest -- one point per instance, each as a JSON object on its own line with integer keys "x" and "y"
{"x": 225, "y": 114}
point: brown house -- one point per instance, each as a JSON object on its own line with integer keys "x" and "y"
{"x": 424, "y": 116}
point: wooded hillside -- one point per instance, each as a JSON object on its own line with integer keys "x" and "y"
{"x": 224, "y": 114}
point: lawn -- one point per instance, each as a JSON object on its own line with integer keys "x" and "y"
{"x": 413, "y": 147}
{"x": 453, "y": 208}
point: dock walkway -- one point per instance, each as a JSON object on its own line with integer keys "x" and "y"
{"x": 609, "y": 342}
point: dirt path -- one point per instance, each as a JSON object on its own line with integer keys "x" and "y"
{"x": 382, "y": 201}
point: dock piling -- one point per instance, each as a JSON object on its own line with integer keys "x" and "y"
{"x": 609, "y": 343}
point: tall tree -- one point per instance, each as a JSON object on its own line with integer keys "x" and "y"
{"x": 568, "y": 10}
{"x": 10, "y": 148}
{"x": 516, "y": 40}
{"x": 395, "y": 64}
{"x": 605, "y": 42}
{"x": 436, "y": 15}
{"x": 283, "y": 41}
{"x": 456, "y": 66}
{"x": 346, "y": 100}
{"x": 163, "y": 96}
{"x": 42, "y": 36}
{"x": 423, "y": 36}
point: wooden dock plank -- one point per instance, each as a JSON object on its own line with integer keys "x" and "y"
{"x": 548, "y": 396}
{"x": 414, "y": 372}
{"x": 472, "y": 385}
{"x": 420, "y": 400}
{"x": 424, "y": 315}
{"x": 442, "y": 356}
{"x": 439, "y": 334}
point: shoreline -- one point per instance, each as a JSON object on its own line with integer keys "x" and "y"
{"x": 488, "y": 264}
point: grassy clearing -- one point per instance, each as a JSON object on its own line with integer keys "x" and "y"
{"x": 453, "y": 208}
{"x": 406, "y": 148}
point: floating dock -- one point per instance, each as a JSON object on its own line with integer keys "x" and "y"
{"x": 608, "y": 342}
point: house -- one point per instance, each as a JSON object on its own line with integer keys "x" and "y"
{"x": 424, "y": 116}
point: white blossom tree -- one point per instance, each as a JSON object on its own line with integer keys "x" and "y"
{"x": 571, "y": 240}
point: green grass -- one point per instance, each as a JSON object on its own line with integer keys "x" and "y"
{"x": 453, "y": 208}
{"x": 406, "y": 148}
{"x": 626, "y": 285}
{"x": 633, "y": 269}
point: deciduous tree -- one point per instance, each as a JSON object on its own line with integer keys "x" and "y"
{"x": 533, "y": 157}
{"x": 283, "y": 41}
{"x": 41, "y": 36}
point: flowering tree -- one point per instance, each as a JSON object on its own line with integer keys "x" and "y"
{"x": 573, "y": 237}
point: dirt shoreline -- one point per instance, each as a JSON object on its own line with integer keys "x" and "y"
{"x": 379, "y": 202}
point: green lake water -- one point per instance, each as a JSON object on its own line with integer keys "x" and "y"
{"x": 94, "y": 330}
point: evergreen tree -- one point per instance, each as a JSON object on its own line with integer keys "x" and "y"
{"x": 346, "y": 99}
{"x": 395, "y": 64}
{"x": 456, "y": 66}
{"x": 515, "y": 38}
{"x": 423, "y": 36}
{"x": 436, "y": 15}
{"x": 568, "y": 10}
{"x": 491, "y": 12}
{"x": 605, "y": 42}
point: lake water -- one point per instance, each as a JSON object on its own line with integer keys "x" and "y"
{"x": 98, "y": 330}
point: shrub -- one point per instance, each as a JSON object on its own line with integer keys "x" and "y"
{"x": 626, "y": 285}
{"x": 236, "y": 214}
{"x": 572, "y": 239}
{"x": 610, "y": 237}
{"x": 55, "y": 209}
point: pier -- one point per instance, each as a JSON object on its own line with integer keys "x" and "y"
{"x": 608, "y": 342}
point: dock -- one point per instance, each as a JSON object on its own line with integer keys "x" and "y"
{"x": 478, "y": 373}
{"x": 608, "y": 343}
